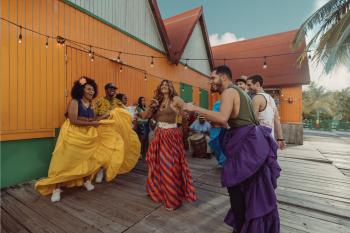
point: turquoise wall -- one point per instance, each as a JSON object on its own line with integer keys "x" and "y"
{"x": 186, "y": 92}
{"x": 204, "y": 99}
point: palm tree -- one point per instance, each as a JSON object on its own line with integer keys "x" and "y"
{"x": 332, "y": 39}
{"x": 317, "y": 99}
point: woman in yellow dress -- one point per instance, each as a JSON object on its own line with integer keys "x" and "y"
{"x": 86, "y": 144}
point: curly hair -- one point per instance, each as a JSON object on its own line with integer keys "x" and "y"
{"x": 79, "y": 85}
{"x": 158, "y": 95}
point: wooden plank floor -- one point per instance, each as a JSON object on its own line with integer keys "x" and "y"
{"x": 313, "y": 195}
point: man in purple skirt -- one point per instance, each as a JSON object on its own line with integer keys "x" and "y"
{"x": 251, "y": 170}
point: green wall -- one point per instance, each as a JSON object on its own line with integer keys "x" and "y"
{"x": 204, "y": 99}
{"x": 186, "y": 92}
{"x": 25, "y": 160}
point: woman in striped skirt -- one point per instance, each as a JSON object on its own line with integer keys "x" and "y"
{"x": 169, "y": 179}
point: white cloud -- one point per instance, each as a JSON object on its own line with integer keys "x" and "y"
{"x": 227, "y": 37}
{"x": 319, "y": 3}
{"x": 338, "y": 79}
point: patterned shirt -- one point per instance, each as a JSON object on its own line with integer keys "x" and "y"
{"x": 104, "y": 105}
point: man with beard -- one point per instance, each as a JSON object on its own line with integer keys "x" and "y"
{"x": 251, "y": 170}
{"x": 105, "y": 104}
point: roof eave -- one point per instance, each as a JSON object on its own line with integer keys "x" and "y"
{"x": 161, "y": 28}
{"x": 178, "y": 55}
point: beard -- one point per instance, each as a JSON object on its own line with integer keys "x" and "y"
{"x": 216, "y": 87}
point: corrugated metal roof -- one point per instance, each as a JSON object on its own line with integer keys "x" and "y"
{"x": 281, "y": 70}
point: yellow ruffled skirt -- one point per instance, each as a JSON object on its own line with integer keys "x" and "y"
{"x": 82, "y": 151}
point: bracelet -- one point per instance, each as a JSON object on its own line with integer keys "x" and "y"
{"x": 280, "y": 140}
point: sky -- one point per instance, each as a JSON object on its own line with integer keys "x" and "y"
{"x": 231, "y": 20}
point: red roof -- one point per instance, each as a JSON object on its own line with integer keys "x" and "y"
{"x": 281, "y": 70}
{"x": 180, "y": 28}
{"x": 177, "y": 30}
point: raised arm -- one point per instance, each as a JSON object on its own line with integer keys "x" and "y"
{"x": 149, "y": 111}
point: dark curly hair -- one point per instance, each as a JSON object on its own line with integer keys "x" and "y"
{"x": 79, "y": 85}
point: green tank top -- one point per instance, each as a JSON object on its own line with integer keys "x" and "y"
{"x": 246, "y": 115}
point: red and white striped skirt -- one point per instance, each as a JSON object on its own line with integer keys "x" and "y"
{"x": 169, "y": 179}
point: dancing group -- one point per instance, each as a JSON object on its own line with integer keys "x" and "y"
{"x": 97, "y": 142}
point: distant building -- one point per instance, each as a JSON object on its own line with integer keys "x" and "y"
{"x": 283, "y": 76}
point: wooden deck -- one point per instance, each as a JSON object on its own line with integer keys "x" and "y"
{"x": 313, "y": 194}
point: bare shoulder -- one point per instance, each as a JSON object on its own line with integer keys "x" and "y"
{"x": 177, "y": 99}
{"x": 178, "y": 102}
{"x": 73, "y": 103}
{"x": 229, "y": 93}
{"x": 258, "y": 98}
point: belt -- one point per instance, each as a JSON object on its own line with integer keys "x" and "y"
{"x": 164, "y": 125}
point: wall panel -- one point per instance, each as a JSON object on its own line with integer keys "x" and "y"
{"x": 39, "y": 79}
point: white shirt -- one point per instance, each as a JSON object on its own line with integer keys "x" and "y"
{"x": 267, "y": 116}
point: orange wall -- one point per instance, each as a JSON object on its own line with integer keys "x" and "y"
{"x": 36, "y": 81}
{"x": 291, "y": 112}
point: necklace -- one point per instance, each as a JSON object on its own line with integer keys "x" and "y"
{"x": 164, "y": 105}
{"x": 85, "y": 105}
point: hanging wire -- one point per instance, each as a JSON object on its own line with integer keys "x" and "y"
{"x": 145, "y": 55}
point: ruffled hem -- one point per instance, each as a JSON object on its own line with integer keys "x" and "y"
{"x": 252, "y": 166}
{"x": 269, "y": 223}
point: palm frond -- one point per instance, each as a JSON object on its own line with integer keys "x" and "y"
{"x": 332, "y": 37}
{"x": 333, "y": 47}
{"x": 315, "y": 19}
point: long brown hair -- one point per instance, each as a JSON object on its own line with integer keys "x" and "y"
{"x": 158, "y": 95}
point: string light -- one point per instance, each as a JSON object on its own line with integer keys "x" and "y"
{"x": 92, "y": 57}
{"x": 20, "y": 35}
{"x": 121, "y": 68}
{"x": 60, "y": 40}
{"x": 47, "y": 42}
{"x": 309, "y": 56}
{"x": 80, "y": 46}
{"x": 265, "y": 64}
{"x": 90, "y": 52}
{"x": 186, "y": 65}
{"x": 118, "y": 59}
{"x": 152, "y": 62}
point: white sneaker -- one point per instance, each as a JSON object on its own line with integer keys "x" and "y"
{"x": 56, "y": 195}
{"x": 99, "y": 176}
{"x": 89, "y": 186}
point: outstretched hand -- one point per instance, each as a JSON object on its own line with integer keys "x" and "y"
{"x": 188, "y": 107}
